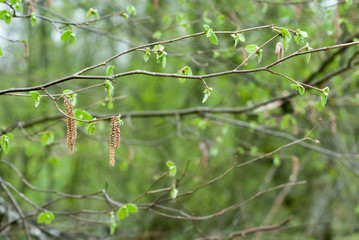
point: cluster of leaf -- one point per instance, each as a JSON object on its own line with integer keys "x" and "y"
{"x": 211, "y": 35}
{"x": 186, "y": 71}
{"x": 68, "y": 35}
{"x": 160, "y": 54}
{"x": 45, "y": 217}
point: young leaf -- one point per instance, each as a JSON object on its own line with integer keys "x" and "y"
{"x": 299, "y": 36}
{"x": 238, "y": 38}
{"x": 286, "y": 37}
{"x": 91, "y": 129}
{"x": 170, "y": 164}
{"x": 18, "y": 6}
{"x": 132, "y": 208}
{"x": 33, "y": 19}
{"x": 131, "y": 10}
{"x": 5, "y": 142}
{"x": 112, "y": 223}
{"x": 276, "y": 160}
{"x": 172, "y": 168}
{"x": 301, "y": 90}
{"x": 6, "y": 15}
{"x": 109, "y": 88}
{"x": 174, "y": 192}
{"x": 187, "y": 71}
{"x": 1, "y": 52}
{"x": 122, "y": 212}
{"x": 45, "y": 217}
{"x": 92, "y": 12}
{"x": 173, "y": 171}
{"x": 109, "y": 70}
{"x": 324, "y": 96}
{"x": 211, "y": 35}
{"x": 251, "y": 48}
{"x": 207, "y": 93}
{"x": 147, "y": 55}
{"x": 206, "y": 27}
{"x": 36, "y": 96}
{"x": 68, "y": 36}
{"x": 47, "y": 138}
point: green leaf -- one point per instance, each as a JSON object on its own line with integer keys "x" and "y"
{"x": 92, "y": 12}
{"x": 147, "y": 55}
{"x": 213, "y": 38}
{"x": 238, "y": 38}
{"x": 124, "y": 15}
{"x": 286, "y": 37}
{"x": 109, "y": 70}
{"x": 110, "y": 104}
{"x": 170, "y": 164}
{"x": 36, "y": 96}
{"x": 122, "y": 212}
{"x": 211, "y": 35}
{"x": 299, "y": 36}
{"x": 131, "y": 10}
{"x": 161, "y": 56}
{"x": 173, "y": 171}
{"x": 91, "y": 129}
{"x": 324, "y": 96}
{"x": 206, "y": 27}
{"x": 174, "y": 192}
{"x": 45, "y": 217}
{"x": 298, "y": 87}
{"x": 301, "y": 90}
{"x": 187, "y": 71}
{"x": 109, "y": 88}
{"x": 7, "y": 17}
{"x": 66, "y": 36}
{"x": 18, "y": 6}
{"x": 1, "y": 52}
{"x": 207, "y": 93}
{"x": 251, "y": 48}
{"x": 47, "y": 138}
{"x": 5, "y": 142}
{"x": 276, "y": 160}
{"x": 33, "y": 19}
{"x": 112, "y": 223}
{"x": 72, "y": 38}
{"x": 132, "y": 208}
{"x": 69, "y": 94}
{"x": 157, "y": 34}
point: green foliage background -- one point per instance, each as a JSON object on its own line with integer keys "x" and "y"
{"x": 202, "y": 147}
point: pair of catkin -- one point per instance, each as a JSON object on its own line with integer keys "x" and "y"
{"x": 71, "y": 127}
{"x": 114, "y": 139}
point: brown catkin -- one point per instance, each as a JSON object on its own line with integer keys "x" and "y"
{"x": 31, "y": 5}
{"x": 279, "y": 50}
{"x": 114, "y": 139}
{"x": 71, "y": 127}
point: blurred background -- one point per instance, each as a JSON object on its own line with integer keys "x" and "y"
{"x": 267, "y": 114}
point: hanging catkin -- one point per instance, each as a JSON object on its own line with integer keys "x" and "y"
{"x": 71, "y": 127}
{"x": 279, "y": 50}
{"x": 114, "y": 139}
